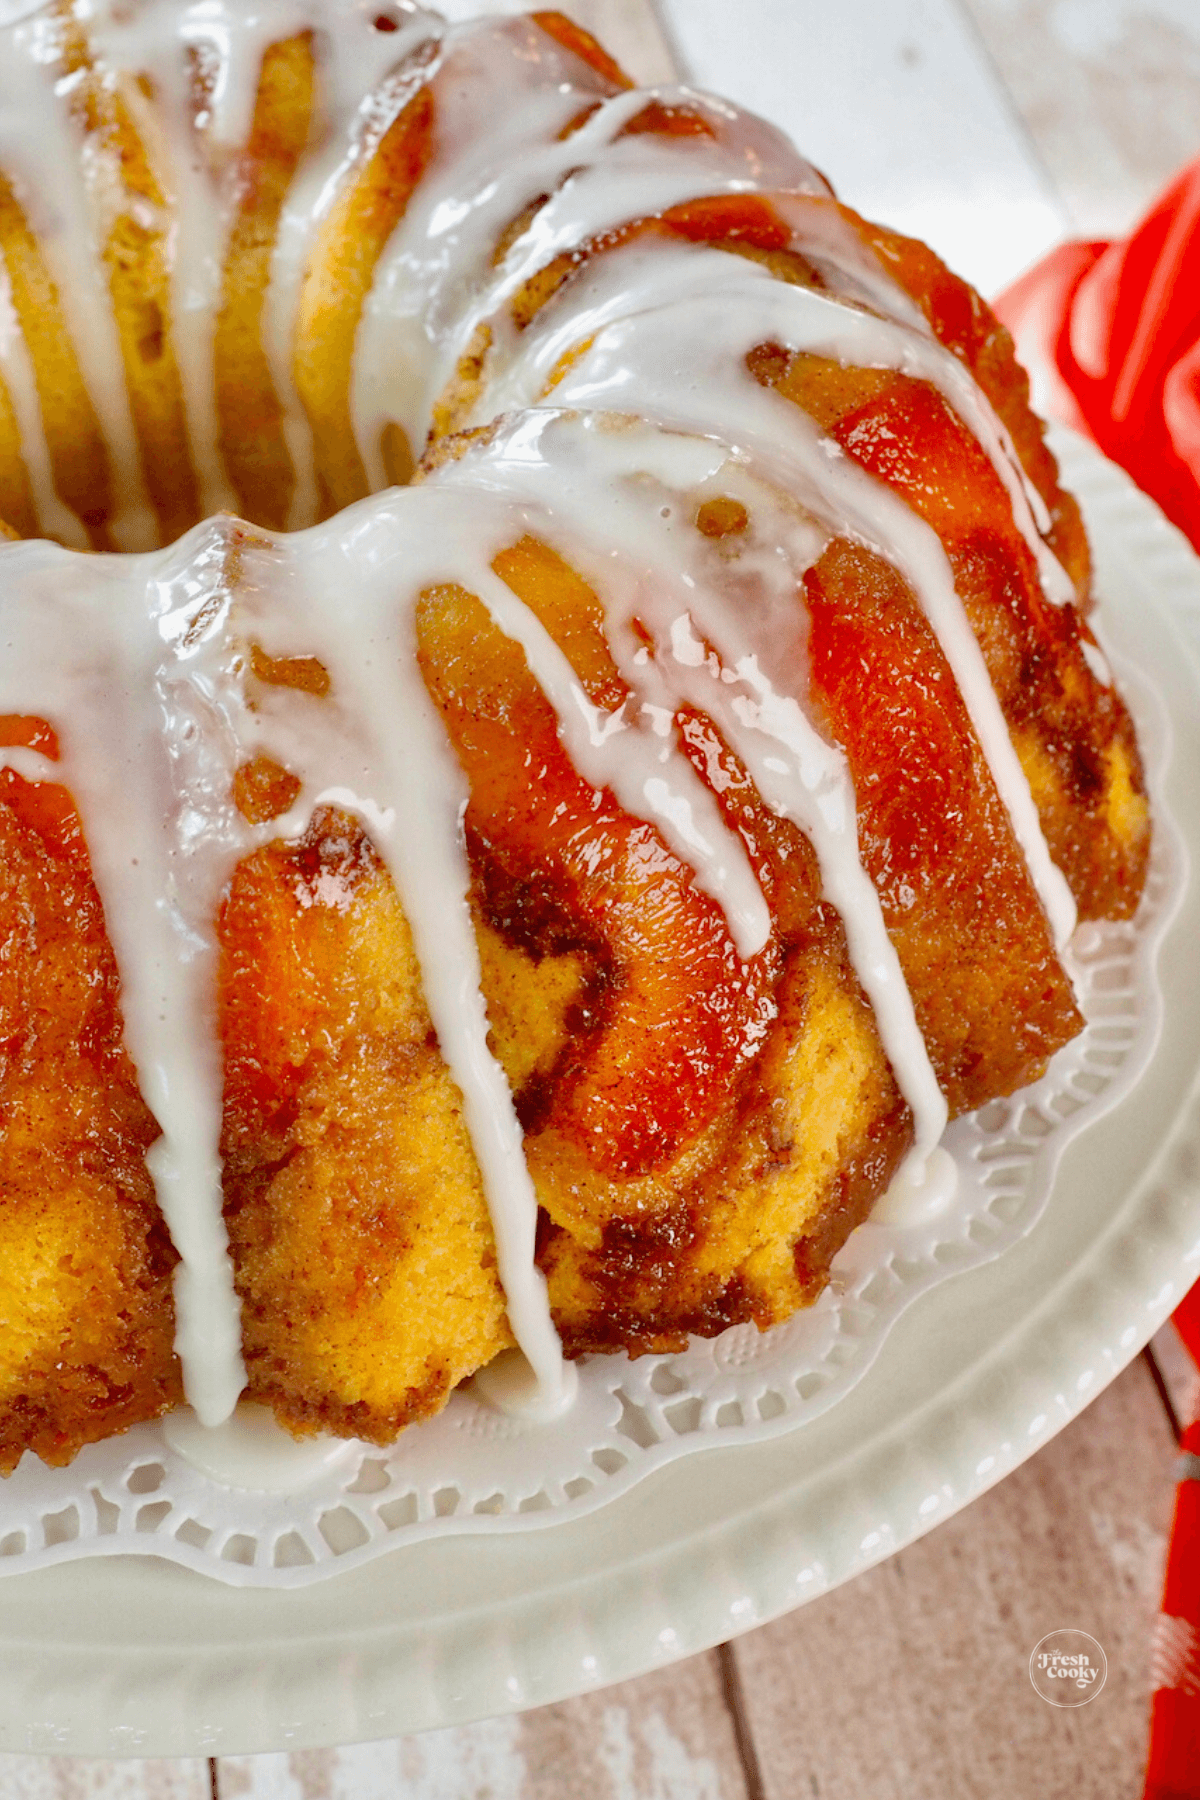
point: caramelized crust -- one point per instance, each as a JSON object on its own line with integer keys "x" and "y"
{"x": 1072, "y": 733}
{"x": 573, "y": 37}
{"x": 991, "y": 997}
{"x": 85, "y": 1261}
{"x": 742, "y": 1224}
{"x": 690, "y": 1120}
{"x": 249, "y": 413}
{"x": 681, "y": 1010}
{"x": 336, "y": 282}
{"x": 137, "y": 258}
{"x": 356, "y": 1218}
{"x": 962, "y": 320}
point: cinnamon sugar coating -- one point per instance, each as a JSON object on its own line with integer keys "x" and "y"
{"x": 85, "y": 1260}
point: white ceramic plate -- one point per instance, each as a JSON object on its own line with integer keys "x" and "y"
{"x": 128, "y": 1656}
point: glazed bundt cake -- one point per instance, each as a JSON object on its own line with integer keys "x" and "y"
{"x": 551, "y": 901}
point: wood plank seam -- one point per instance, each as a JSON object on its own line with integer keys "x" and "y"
{"x": 735, "y": 1701}
{"x": 664, "y": 21}
{"x": 1164, "y": 1392}
{"x": 1016, "y": 116}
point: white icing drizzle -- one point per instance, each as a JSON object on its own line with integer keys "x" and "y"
{"x": 637, "y": 758}
{"x": 135, "y": 687}
{"x": 919, "y": 1192}
{"x": 436, "y": 283}
{"x": 690, "y": 360}
{"x": 592, "y": 482}
{"x": 68, "y": 190}
{"x": 160, "y": 636}
{"x": 16, "y": 365}
{"x": 510, "y": 1384}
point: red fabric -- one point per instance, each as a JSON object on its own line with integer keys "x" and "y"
{"x": 1187, "y": 1322}
{"x": 1173, "y": 1766}
{"x": 1117, "y": 326}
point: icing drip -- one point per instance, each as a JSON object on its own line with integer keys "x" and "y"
{"x": 644, "y": 769}
{"x": 249, "y": 1450}
{"x": 137, "y": 685}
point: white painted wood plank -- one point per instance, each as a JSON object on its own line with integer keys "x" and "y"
{"x": 1110, "y": 92}
{"x": 896, "y": 101}
{"x": 470, "y": 1762}
{"x": 628, "y": 29}
{"x": 80, "y": 1778}
{"x": 668, "y": 1736}
{"x": 912, "y": 1683}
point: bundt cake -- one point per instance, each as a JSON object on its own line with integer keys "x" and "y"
{"x": 548, "y": 902}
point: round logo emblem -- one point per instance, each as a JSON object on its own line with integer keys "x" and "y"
{"x": 1068, "y": 1668}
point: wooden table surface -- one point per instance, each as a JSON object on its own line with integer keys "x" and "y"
{"x": 992, "y": 128}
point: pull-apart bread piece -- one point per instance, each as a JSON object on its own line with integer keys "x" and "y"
{"x": 550, "y": 902}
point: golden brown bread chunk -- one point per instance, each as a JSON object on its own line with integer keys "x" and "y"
{"x": 358, "y": 1226}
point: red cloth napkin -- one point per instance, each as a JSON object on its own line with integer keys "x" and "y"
{"x": 1173, "y": 1769}
{"x": 1117, "y": 329}
{"x": 1117, "y": 326}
